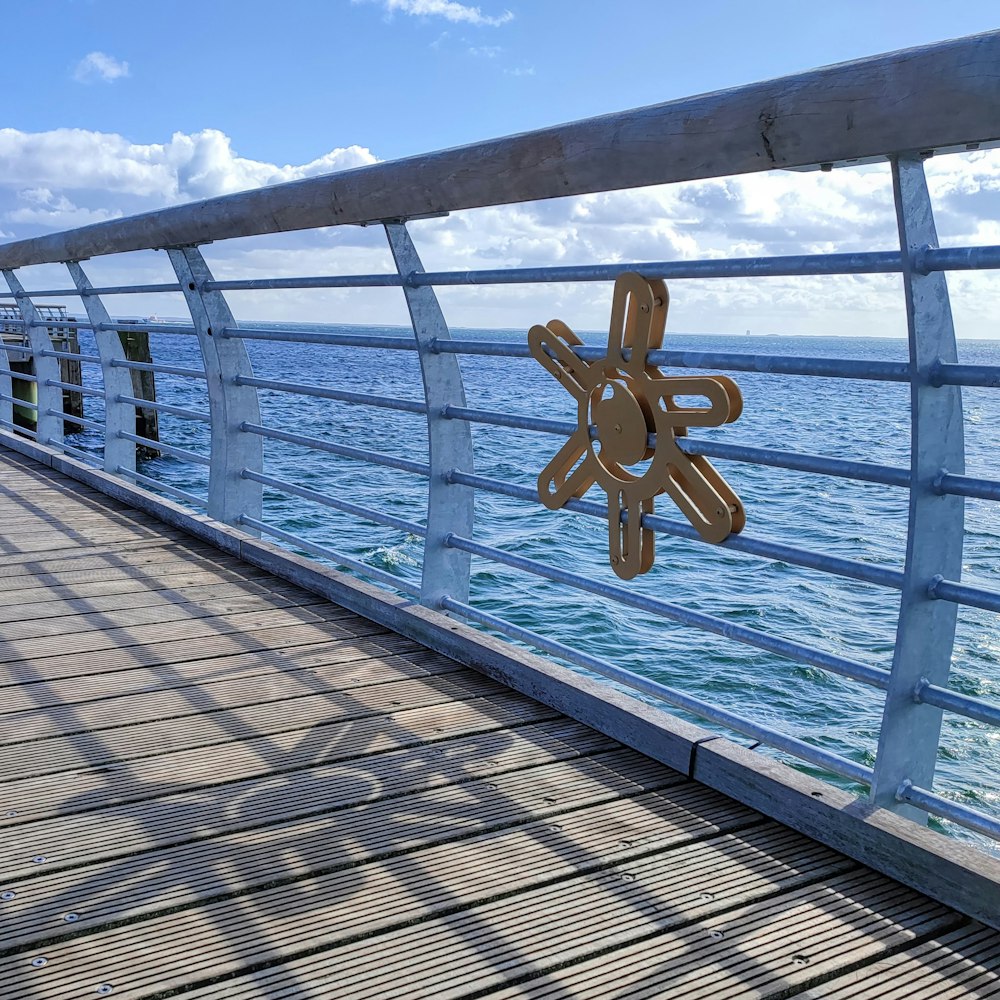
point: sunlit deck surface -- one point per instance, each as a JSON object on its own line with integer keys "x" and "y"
{"x": 217, "y": 784}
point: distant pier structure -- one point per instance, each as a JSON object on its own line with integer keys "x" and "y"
{"x": 63, "y": 334}
{"x": 62, "y": 331}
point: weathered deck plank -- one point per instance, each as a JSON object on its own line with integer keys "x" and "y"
{"x": 212, "y": 781}
{"x": 164, "y": 674}
{"x": 287, "y": 686}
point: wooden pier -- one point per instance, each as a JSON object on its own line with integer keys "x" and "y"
{"x": 218, "y": 784}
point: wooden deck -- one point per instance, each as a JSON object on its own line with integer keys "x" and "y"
{"x": 216, "y": 784}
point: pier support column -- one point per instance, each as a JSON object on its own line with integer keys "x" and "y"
{"x": 49, "y": 397}
{"x": 450, "y": 507}
{"x": 908, "y": 743}
{"x": 230, "y": 404}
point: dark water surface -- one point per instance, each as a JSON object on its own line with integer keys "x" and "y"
{"x": 835, "y": 417}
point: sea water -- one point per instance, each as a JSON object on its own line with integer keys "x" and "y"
{"x": 841, "y": 418}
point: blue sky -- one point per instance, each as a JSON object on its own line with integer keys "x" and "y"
{"x": 115, "y": 107}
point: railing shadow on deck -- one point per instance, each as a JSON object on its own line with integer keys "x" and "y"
{"x": 334, "y": 824}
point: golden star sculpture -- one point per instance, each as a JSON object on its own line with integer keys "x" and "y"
{"x": 636, "y": 418}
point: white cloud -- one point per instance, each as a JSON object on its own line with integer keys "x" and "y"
{"x": 43, "y": 208}
{"x": 66, "y": 177}
{"x": 186, "y": 168}
{"x": 450, "y": 10}
{"x": 100, "y": 66}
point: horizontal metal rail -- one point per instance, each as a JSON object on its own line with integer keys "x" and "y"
{"x": 70, "y": 418}
{"x": 333, "y": 339}
{"x": 106, "y": 290}
{"x": 177, "y": 411}
{"x": 86, "y": 359}
{"x": 319, "y": 281}
{"x": 805, "y": 265}
{"x": 882, "y": 576}
{"x": 866, "y": 472}
{"x": 14, "y": 348}
{"x": 372, "y": 572}
{"x": 960, "y": 704}
{"x": 960, "y": 593}
{"x": 63, "y": 323}
{"x": 18, "y": 429}
{"x": 171, "y": 491}
{"x": 875, "y": 676}
{"x": 341, "y": 395}
{"x": 325, "y": 500}
{"x": 80, "y": 455}
{"x": 797, "y": 461}
{"x": 518, "y": 421}
{"x": 968, "y": 486}
{"x": 343, "y": 451}
{"x": 981, "y": 376}
{"x": 767, "y": 364}
{"x": 179, "y": 329}
{"x": 84, "y": 390}
{"x": 661, "y": 692}
{"x": 883, "y": 262}
{"x": 938, "y": 805}
{"x": 145, "y": 366}
{"x": 957, "y": 259}
{"x": 20, "y": 402}
{"x": 877, "y": 262}
{"x": 168, "y": 449}
{"x": 117, "y": 326}
{"x": 19, "y": 377}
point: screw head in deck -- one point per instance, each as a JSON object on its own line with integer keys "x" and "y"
{"x": 7, "y": 895}
{"x": 71, "y": 917}
{"x": 39, "y": 962}
{"x": 39, "y": 859}
{"x": 104, "y": 989}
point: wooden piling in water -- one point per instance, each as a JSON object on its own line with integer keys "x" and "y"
{"x": 147, "y": 424}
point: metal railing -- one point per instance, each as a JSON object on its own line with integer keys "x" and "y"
{"x": 902, "y": 107}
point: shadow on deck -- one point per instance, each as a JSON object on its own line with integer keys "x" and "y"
{"x": 215, "y": 783}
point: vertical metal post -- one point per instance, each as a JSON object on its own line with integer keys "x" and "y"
{"x": 925, "y": 634}
{"x": 230, "y": 404}
{"x": 450, "y": 507}
{"x": 50, "y": 398}
{"x": 119, "y": 417}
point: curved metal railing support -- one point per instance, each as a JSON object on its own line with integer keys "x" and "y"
{"x": 925, "y": 634}
{"x": 231, "y": 404}
{"x": 450, "y": 507}
{"x": 50, "y": 397}
{"x": 119, "y": 417}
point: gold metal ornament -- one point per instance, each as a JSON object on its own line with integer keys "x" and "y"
{"x": 621, "y": 404}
